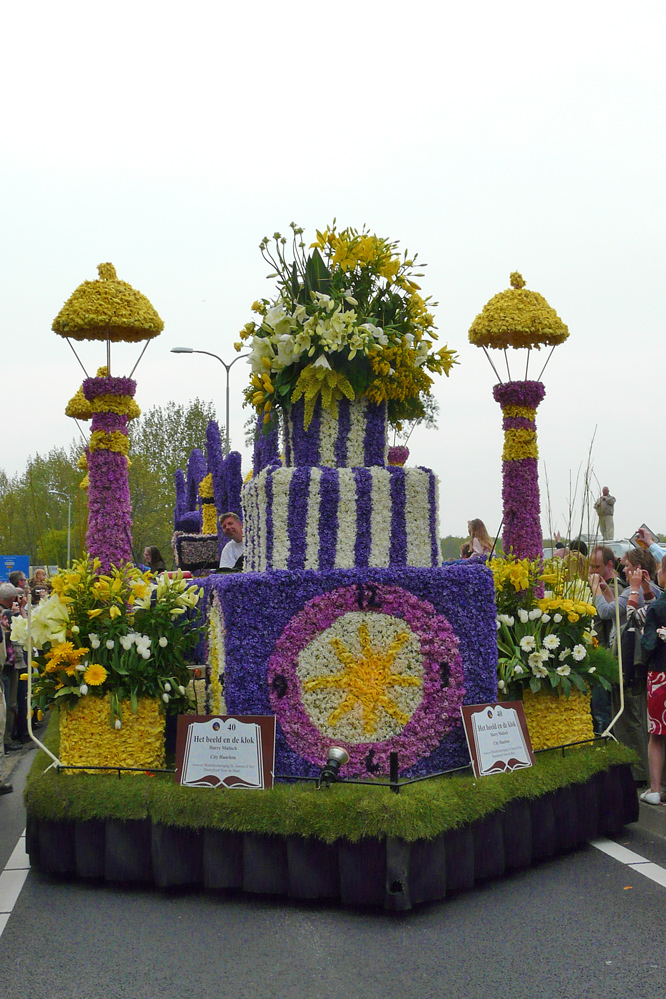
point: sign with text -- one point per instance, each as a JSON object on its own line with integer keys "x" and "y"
{"x": 497, "y": 737}
{"x": 232, "y": 751}
{"x": 10, "y": 563}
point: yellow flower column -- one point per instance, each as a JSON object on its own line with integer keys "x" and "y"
{"x": 208, "y": 508}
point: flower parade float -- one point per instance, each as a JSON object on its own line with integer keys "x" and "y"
{"x": 347, "y": 628}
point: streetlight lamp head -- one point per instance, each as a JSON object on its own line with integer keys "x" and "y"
{"x": 182, "y": 350}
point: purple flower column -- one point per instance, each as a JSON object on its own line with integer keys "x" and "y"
{"x": 520, "y": 478}
{"x": 109, "y": 512}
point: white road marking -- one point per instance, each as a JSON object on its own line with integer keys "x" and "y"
{"x": 12, "y": 880}
{"x": 631, "y": 860}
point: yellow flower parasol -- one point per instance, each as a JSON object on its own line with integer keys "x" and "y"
{"x": 110, "y": 310}
{"x": 517, "y": 318}
{"x": 107, "y": 309}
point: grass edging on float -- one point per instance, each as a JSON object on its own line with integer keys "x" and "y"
{"x": 421, "y": 811}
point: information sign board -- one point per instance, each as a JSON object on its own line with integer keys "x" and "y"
{"x": 10, "y": 563}
{"x": 232, "y": 751}
{"x": 497, "y": 737}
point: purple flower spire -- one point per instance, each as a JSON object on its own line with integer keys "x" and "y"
{"x": 109, "y": 511}
{"x": 520, "y": 478}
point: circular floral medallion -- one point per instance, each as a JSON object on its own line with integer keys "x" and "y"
{"x": 369, "y": 667}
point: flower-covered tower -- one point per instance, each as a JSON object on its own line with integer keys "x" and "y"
{"x": 519, "y": 319}
{"x": 110, "y": 310}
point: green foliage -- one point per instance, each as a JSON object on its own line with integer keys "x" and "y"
{"x": 605, "y": 663}
{"x": 52, "y": 547}
{"x": 33, "y": 520}
{"x": 451, "y": 546}
{"x": 421, "y": 811}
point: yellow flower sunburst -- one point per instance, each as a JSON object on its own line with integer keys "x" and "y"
{"x": 365, "y": 680}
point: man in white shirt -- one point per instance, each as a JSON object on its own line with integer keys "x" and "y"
{"x": 233, "y": 550}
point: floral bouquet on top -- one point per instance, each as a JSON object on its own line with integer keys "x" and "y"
{"x": 347, "y": 321}
{"x": 543, "y": 641}
{"x": 121, "y": 633}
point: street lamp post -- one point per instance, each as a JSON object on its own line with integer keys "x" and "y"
{"x": 227, "y": 368}
{"x": 57, "y": 492}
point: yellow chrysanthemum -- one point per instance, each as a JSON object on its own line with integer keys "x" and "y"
{"x": 553, "y": 720}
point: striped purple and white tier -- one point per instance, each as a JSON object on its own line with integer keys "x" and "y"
{"x": 354, "y": 436}
{"x": 340, "y": 518}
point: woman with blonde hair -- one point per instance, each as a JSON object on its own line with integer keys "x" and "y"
{"x": 479, "y": 539}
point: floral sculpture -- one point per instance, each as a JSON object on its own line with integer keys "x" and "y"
{"x": 344, "y": 623}
{"x": 519, "y": 319}
{"x": 109, "y": 403}
{"x": 111, "y": 310}
{"x": 107, "y": 642}
{"x": 546, "y": 642}
{"x": 107, "y": 309}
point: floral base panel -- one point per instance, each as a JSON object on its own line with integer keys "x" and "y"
{"x": 375, "y": 660}
{"x": 87, "y": 737}
{"x": 554, "y": 721}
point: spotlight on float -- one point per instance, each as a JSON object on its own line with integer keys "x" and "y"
{"x": 337, "y": 757}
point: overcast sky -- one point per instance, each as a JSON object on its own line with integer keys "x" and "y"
{"x": 486, "y": 137}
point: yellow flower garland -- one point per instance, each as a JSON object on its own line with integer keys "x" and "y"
{"x": 216, "y": 659}
{"x": 122, "y": 405}
{"x": 520, "y": 411}
{"x": 116, "y": 441}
